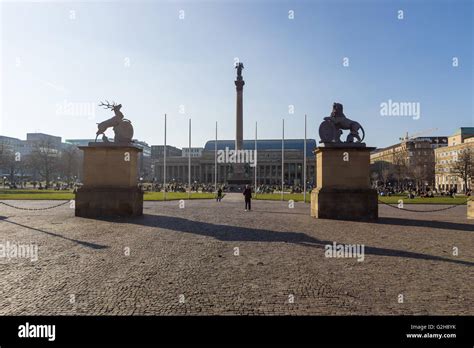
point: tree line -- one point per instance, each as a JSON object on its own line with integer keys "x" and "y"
{"x": 44, "y": 163}
{"x": 401, "y": 174}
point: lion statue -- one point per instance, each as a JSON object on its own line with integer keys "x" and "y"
{"x": 331, "y": 128}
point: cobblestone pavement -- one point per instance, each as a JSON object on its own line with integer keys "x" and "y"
{"x": 184, "y": 261}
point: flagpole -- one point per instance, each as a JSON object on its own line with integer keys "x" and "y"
{"x": 189, "y": 162}
{"x": 215, "y": 162}
{"x": 255, "y": 160}
{"x": 164, "y": 166}
{"x": 304, "y": 161}
{"x": 282, "y": 159}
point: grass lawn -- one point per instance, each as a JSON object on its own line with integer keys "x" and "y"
{"x": 158, "y": 196}
{"x": 298, "y": 197}
{"x": 170, "y": 196}
{"x": 68, "y": 195}
{"x": 36, "y": 194}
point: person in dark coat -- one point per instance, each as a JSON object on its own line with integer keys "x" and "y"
{"x": 248, "y": 197}
{"x": 219, "y": 195}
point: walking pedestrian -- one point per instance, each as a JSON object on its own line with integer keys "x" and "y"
{"x": 248, "y": 197}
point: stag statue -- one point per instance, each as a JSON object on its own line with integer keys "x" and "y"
{"x": 331, "y": 128}
{"x": 122, "y": 127}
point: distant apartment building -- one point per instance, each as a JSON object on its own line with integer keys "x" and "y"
{"x": 144, "y": 160}
{"x": 446, "y": 177}
{"x": 268, "y": 163}
{"x": 416, "y": 155}
{"x": 13, "y": 145}
{"x": 157, "y": 151}
{"x": 146, "y": 149}
{"x": 41, "y": 138}
{"x": 194, "y": 151}
{"x": 21, "y": 149}
{"x": 81, "y": 142}
{"x": 33, "y": 140}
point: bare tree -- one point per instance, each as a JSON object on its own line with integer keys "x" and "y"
{"x": 385, "y": 175}
{"x": 8, "y": 162}
{"x": 400, "y": 166}
{"x": 70, "y": 162}
{"x": 2, "y": 154}
{"x": 382, "y": 169}
{"x": 419, "y": 174}
{"x": 12, "y": 165}
{"x": 44, "y": 159}
{"x": 463, "y": 167}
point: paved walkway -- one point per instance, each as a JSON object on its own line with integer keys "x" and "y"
{"x": 215, "y": 258}
{"x": 234, "y": 197}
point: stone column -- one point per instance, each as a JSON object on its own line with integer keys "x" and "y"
{"x": 239, "y": 135}
{"x": 239, "y": 176}
{"x": 470, "y": 203}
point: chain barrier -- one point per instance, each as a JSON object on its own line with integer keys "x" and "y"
{"x": 387, "y": 204}
{"x": 33, "y": 209}
{"x": 424, "y": 211}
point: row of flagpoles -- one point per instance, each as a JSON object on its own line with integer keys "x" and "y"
{"x": 255, "y": 168}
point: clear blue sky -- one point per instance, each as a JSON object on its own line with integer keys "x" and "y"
{"x": 49, "y": 58}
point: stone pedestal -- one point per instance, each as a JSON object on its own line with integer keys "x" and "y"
{"x": 470, "y": 208}
{"x": 239, "y": 178}
{"x": 110, "y": 184}
{"x": 343, "y": 189}
{"x": 470, "y": 203}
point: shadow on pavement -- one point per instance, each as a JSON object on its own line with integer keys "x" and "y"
{"x": 80, "y": 242}
{"x": 244, "y": 234}
{"x": 445, "y": 225}
{"x": 278, "y": 212}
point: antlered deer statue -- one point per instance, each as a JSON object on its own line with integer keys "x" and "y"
{"x": 122, "y": 127}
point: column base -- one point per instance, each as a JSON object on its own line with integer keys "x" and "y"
{"x": 108, "y": 202}
{"x": 344, "y": 204}
{"x": 470, "y": 209}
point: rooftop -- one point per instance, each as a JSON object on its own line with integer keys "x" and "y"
{"x": 465, "y": 131}
{"x": 433, "y": 140}
{"x": 264, "y": 144}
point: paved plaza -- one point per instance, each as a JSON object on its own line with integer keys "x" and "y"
{"x": 215, "y": 258}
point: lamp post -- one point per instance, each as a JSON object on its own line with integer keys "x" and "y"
{"x": 189, "y": 161}
{"x": 164, "y": 166}
{"x": 298, "y": 170}
{"x": 304, "y": 160}
{"x": 152, "y": 176}
{"x": 283, "y": 158}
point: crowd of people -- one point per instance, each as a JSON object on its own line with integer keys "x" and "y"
{"x": 288, "y": 188}
{"x": 426, "y": 192}
{"x": 202, "y": 187}
{"x": 53, "y": 185}
{"x": 387, "y": 190}
{"x": 177, "y": 187}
